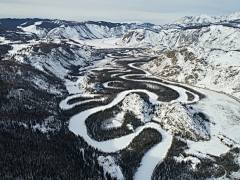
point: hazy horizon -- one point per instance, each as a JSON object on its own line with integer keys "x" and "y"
{"x": 152, "y": 11}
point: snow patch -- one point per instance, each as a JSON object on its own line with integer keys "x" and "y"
{"x": 109, "y": 165}
{"x": 135, "y": 104}
{"x": 194, "y": 161}
{"x": 179, "y": 120}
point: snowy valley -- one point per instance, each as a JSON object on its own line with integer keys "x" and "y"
{"x": 102, "y": 100}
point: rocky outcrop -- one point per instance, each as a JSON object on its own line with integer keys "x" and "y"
{"x": 183, "y": 121}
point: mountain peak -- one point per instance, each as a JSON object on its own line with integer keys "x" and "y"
{"x": 234, "y": 16}
{"x": 202, "y": 19}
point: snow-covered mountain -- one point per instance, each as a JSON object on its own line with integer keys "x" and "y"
{"x": 186, "y": 31}
{"x": 202, "y": 52}
{"x": 74, "y": 30}
{"x": 89, "y": 30}
{"x": 112, "y": 112}
{"x": 213, "y": 40}
{"x": 206, "y": 57}
{"x": 57, "y": 56}
{"x": 213, "y": 36}
{"x": 204, "y": 19}
{"x": 42, "y": 28}
{"x": 183, "y": 121}
{"x": 140, "y": 38}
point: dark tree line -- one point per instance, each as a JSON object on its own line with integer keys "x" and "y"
{"x": 28, "y": 153}
{"x": 31, "y": 154}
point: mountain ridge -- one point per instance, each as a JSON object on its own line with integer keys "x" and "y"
{"x": 204, "y": 19}
{"x": 88, "y": 112}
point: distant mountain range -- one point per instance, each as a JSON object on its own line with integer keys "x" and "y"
{"x": 204, "y": 19}
{"x": 197, "y": 50}
{"x": 40, "y": 28}
{"x": 99, "y": 29}
{"x": 213, "y": 40}
{"x": 66, "y": 100}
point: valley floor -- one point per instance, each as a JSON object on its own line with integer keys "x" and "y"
{"x": 222, "y": 112}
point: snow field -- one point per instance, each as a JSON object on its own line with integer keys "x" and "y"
{"x": 103, "y": 43}
{"x": 109, "y": 166}
{"x": 211, "y": 106}
{"x": 224, "y": 114}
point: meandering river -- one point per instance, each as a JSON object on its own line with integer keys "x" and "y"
{"x": 157, "y": 153}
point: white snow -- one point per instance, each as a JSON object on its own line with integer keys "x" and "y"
{"x": 48, "y": 125}
{"x": 194, "y": 161}
{"x": 219, "y": 70}
{"x": 176, "y": 118}
{"x": 109, "y": 165}
{"x": 140, "y": 38}
{"x": 218, "y": 45}
{"x": 41, "y": 32}
{"x": 77, "y": 124}
{"x": 73, "y": 87}
{"x": 213, "y": 147}
{"x": 41, "y": 83}
{"x": 17, "y": 46}
{"x": 222, "y": 111}
{"x": 225, "y": 113}
{"x": 154, "y": 156}
{"x": 204, "y": 19}
{"x": 102, "y": 43}
{"x": 114, "y": 122}
{"x": 87, "y": 31}
{"x": 133, "y": 103}
{"x": 4, "y": 41}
